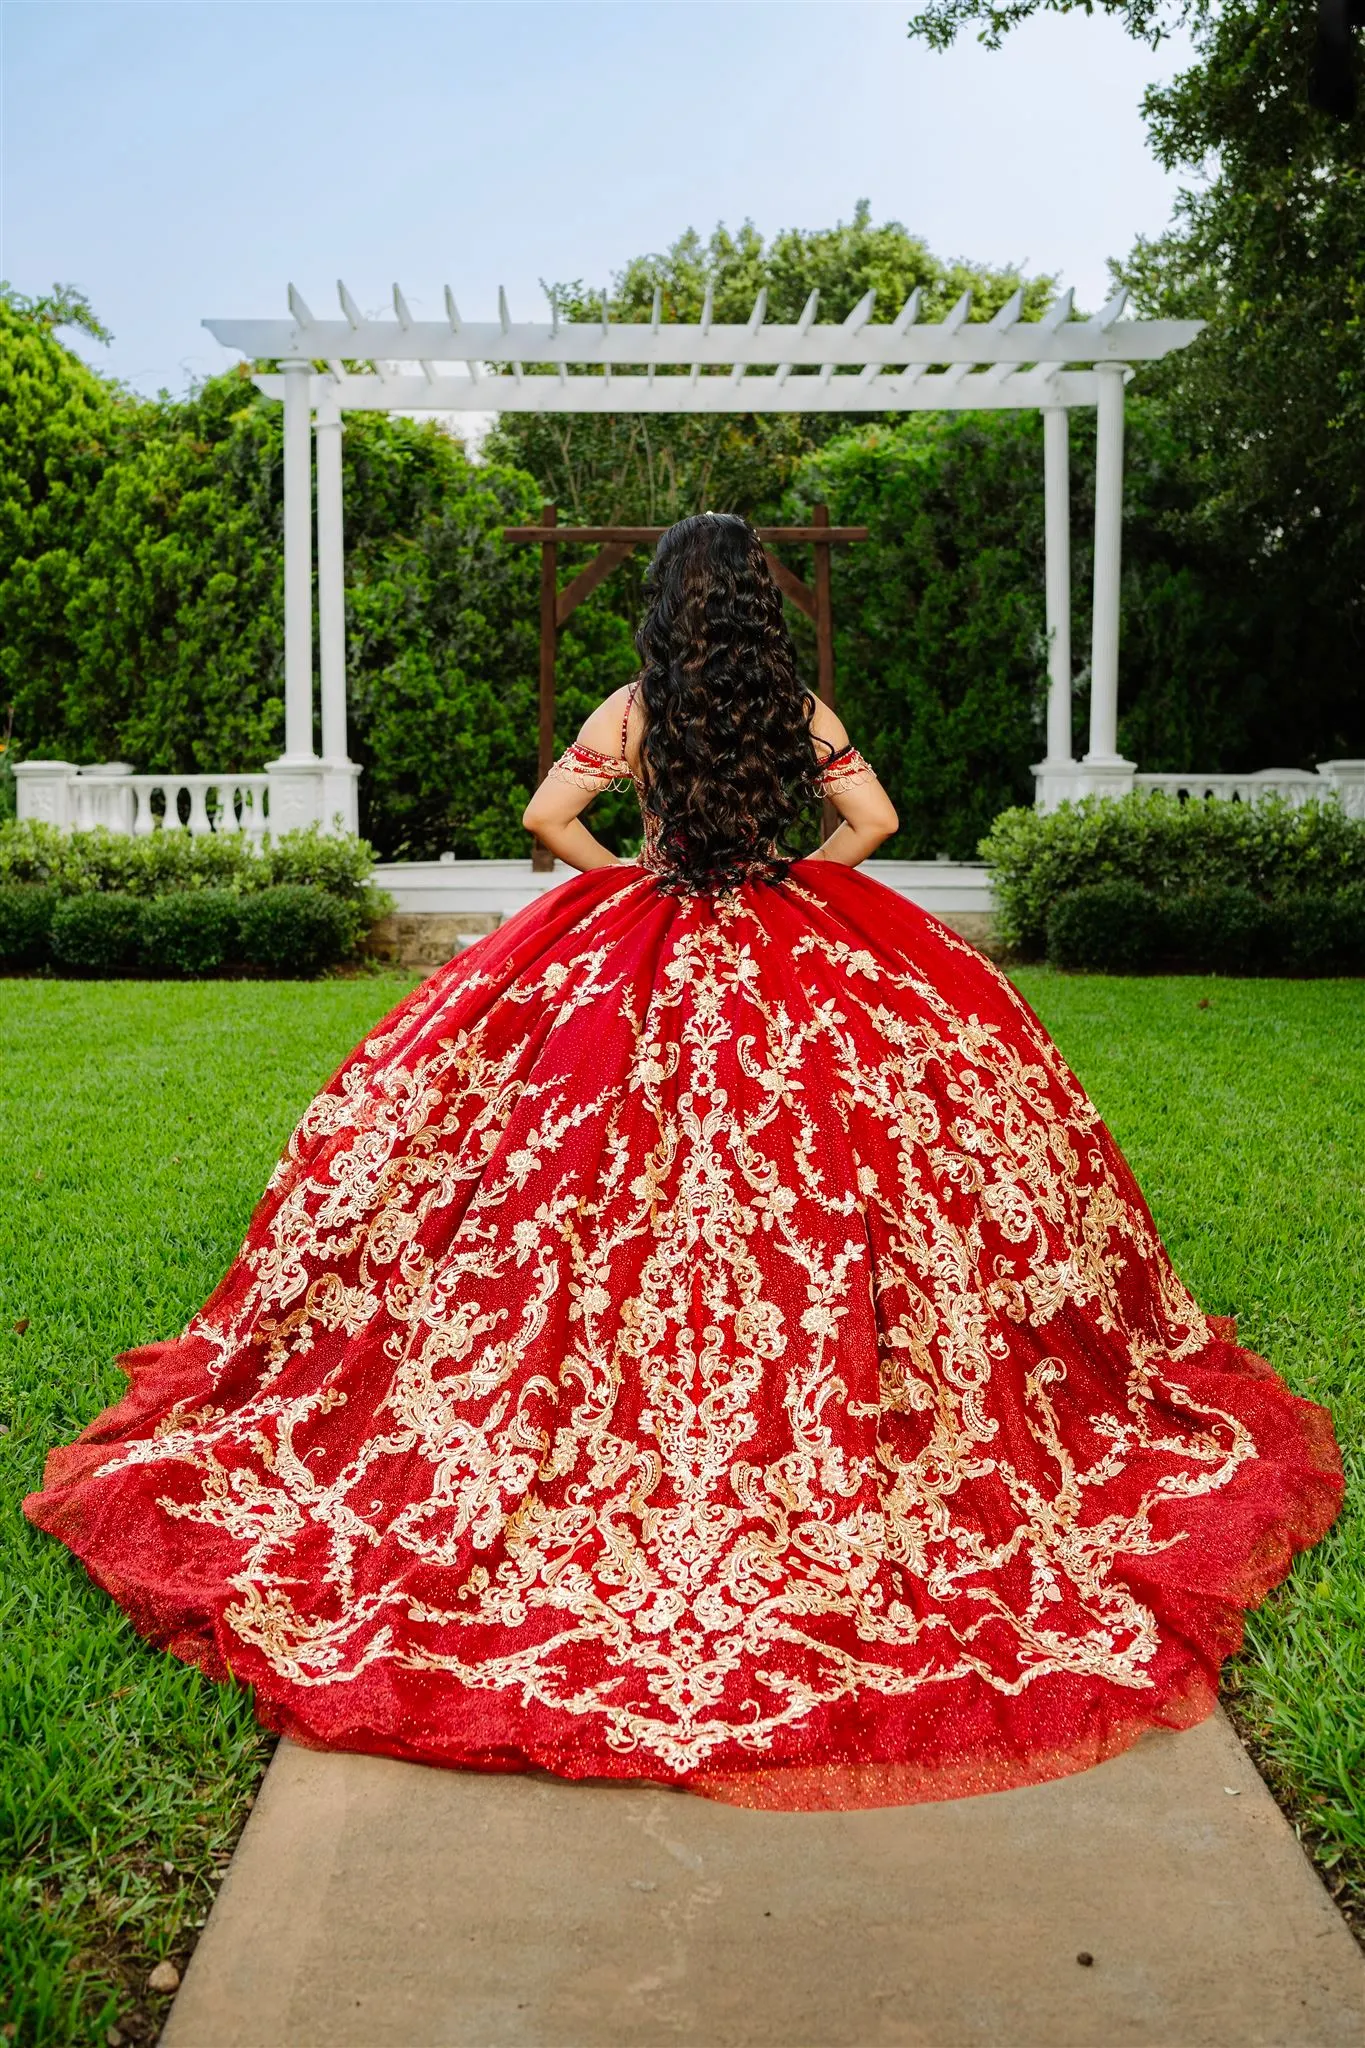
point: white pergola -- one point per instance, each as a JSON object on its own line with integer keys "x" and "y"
{"x": 906, "y": 364}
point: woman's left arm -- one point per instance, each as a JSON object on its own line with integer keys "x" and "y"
{"x": 582, "y": 772}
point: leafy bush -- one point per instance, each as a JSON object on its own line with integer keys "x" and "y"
{"x": 26, "y": 910}
{"x": 1113, "y": 926}
{"x": 1229, "y": 930}
{"x": 97, "y": 932}
{"x": 194, "y": 892}
{"x": 1123, "y": 928}
{"x": 1171, "y": 848}
{"x": 294, "y": 929}
{"x": 192, "y": 931}
{"x": 162, "y": 861}
{"x": 1350, "y": 921}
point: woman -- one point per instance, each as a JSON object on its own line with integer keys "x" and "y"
{"x": 705, "y": 1334}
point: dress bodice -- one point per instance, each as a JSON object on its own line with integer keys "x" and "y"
{"x": 586, "y": 768}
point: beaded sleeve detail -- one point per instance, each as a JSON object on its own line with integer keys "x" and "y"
{"x": 845, "y": 767}
{"x": 585, "y": 768}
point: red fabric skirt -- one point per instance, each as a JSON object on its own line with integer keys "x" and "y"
{"x": 714, "y": 1341}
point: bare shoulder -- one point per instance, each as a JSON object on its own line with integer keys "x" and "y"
{"x": 602, "y": 729}
{"x": 827, "y": 725}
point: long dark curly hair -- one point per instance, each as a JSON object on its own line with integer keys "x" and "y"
{"x": 729, "y": 761}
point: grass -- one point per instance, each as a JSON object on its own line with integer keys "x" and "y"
{"x": 1241, "y": 1108}
{"x": 140, "y": 1121}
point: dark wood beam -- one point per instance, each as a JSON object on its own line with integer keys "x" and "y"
{"x": 636, "y": 536}
{"x": 790, "y": 584}
{"x": 824, "y": 610}
{"x": 587, "y": 580}
{"x": 542, "y": 859}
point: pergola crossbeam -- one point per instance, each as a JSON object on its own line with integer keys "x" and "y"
{"x": 627, "y": 344}
{"x": 960, "y": 388}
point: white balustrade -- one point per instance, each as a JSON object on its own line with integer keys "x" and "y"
{"x": 1293, "y": 786}
{"x": 111, "y": 795}
{"x": 239, "y": 804}
{"x": 1059, "y": 782}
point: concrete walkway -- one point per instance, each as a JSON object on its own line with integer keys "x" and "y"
{"x": 381, "y": 1903}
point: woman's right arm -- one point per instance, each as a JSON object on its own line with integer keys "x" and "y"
{"x": 867, "y": 814}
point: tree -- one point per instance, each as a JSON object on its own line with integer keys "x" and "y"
{"x": 1269, "y": 404}
{"x": 652, "y": 469}
{"x": 141, "y": 601}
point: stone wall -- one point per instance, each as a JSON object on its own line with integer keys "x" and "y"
{"x": 426, "y": 939}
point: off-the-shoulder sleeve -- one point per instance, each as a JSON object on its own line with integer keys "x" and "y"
{"x": 843, "y": 768}
{"x": 585, "y": 768}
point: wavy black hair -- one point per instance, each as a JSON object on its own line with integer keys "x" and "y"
{"x": 729, "y": 760}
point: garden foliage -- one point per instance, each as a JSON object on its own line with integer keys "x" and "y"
{"x": 200, "y": 896}
{"x": 1170, "y": 848}
{"x": 26, "y": 913}
{"x": 140, "y": 567}
{"x": 1123, "y": 928}
{"x": 141, "y": 594}
{"x": 288, "y": 928}
{"x": 1267, "y": 408}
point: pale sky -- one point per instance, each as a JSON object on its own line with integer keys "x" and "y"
{"x": 178, "y": 159}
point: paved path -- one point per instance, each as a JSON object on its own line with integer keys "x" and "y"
{"x": 381, "y": 1903}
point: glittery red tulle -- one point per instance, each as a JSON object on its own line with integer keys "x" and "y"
{"x": 713, "y": 1342}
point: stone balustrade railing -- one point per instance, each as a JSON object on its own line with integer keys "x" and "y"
{"x": 282, "y": 797}
{"x": 1058, "y": 783}
{"x": 288, "y": 794}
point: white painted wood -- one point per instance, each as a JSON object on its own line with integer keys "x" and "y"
{"x": 958, "y": 389}
{"x": 297, "y": 381}
{"x": 806, "y": 344}
{"x": 331, "y": 585}
{"x": 1104, "y": 653}
{"x": 1057, "y": 547}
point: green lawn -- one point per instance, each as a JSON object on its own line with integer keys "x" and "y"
{"x": 140, "y": 1121}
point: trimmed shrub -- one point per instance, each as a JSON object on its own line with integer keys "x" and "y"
{"x": 1309, "y": 932}
{"x": 294, "y": 929}
{"x": 165, "y": 861}
{"x": 1229, "y": 931}
{"x": 1350, "y": 903}
{"x": 97, "y": 932}
{"x": 1171, "y": 848}
{"x": 192, "y": 931}
{"x": 1113, "y": 926}
{"x": 26, "y": 911}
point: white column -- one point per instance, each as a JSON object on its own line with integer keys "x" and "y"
{"x": 339, "y": 775}
{"x": 331, "y": 584}
{"x": 1057, "y": 556}
{"x": 1104, "y": 654}
{"x": 298, "y": 561}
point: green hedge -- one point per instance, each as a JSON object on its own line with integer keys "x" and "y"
{"x": 167, "y": 863}
{"x": 1169, "y": 848}
{"x": 1119, "y": 927}
{"x": 291, "y": 929}
{"x": 97, "y": 933}
{"x": 193, "y": 931}
{"x": 26, "y": 911}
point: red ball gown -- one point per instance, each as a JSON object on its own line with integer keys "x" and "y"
{"x": 710, "y": 1339}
